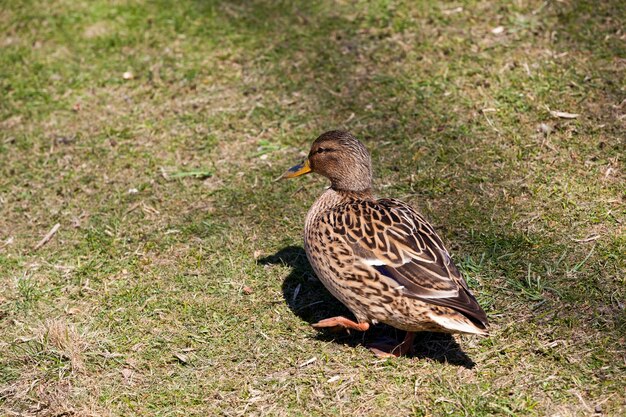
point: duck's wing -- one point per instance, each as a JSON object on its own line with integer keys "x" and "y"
{"x": 391, "y": 237}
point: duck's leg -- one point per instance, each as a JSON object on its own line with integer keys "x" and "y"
{"x": 390, "y": 351}
{"x": 342, "y": 322}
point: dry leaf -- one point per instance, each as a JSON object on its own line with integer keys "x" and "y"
{"x": 448, "y": 12}
{"x": 247, "y": 290}
{"x": 544, "y": 128}
{"x": 137, "y": 347}
{"x": 181, "y": 357}
{"x": 127, "y": 374}
{"x": 497, "y": 30}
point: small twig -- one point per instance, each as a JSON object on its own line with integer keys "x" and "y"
{"x": 582, "y": 400}
{"x": 590, "y": 238}
{"x": 133, "y": 207}
{"x": 47, "y": 237}
{"x": 307, "y": 362}
{"x": 331, "y": 92}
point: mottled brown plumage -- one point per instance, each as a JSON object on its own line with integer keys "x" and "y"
{"x": 380, "y": 257}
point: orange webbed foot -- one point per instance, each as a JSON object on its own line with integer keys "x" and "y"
{"x": 341, "y": 322}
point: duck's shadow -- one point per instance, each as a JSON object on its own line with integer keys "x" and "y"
{"x": 310, "y": 301}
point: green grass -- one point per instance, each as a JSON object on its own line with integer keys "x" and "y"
{"x": 177, "y": 284}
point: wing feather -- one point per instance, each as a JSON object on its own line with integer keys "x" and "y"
{"x": 404, "y": 248}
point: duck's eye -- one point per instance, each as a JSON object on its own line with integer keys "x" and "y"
{"x": 320, "y": 150}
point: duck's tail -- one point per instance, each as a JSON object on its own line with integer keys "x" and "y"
{"x": 460, "y": 324}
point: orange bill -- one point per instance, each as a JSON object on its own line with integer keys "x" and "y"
{"x": 297, "y": 170}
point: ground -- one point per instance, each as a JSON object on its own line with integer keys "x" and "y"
{"x": 176, "y": 284}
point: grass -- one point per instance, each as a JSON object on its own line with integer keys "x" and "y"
{"x": 177, "y": 284}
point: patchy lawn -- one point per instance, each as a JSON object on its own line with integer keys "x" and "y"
{"x": 176, "y": 284}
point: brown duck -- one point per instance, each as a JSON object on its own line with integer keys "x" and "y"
{"x": 380, "y": 257}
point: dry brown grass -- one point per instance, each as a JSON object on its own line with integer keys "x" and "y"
{"x": 53, "y": 378}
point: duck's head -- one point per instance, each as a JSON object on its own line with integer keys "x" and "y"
{"x": 341, "y": 158}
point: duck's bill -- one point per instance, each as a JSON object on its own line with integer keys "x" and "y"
{"x": 297, "y": 170}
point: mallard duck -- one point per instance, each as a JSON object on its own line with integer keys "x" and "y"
{"x": 379, "y": 257}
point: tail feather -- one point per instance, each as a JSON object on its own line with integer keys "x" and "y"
{"x": 458, "y": 324}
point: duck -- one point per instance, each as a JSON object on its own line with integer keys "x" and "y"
{"x": 379, "y": 257}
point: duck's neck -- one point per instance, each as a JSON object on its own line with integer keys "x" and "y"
{"x": 331, "y": 198}
{"x": 365, "y": 194}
